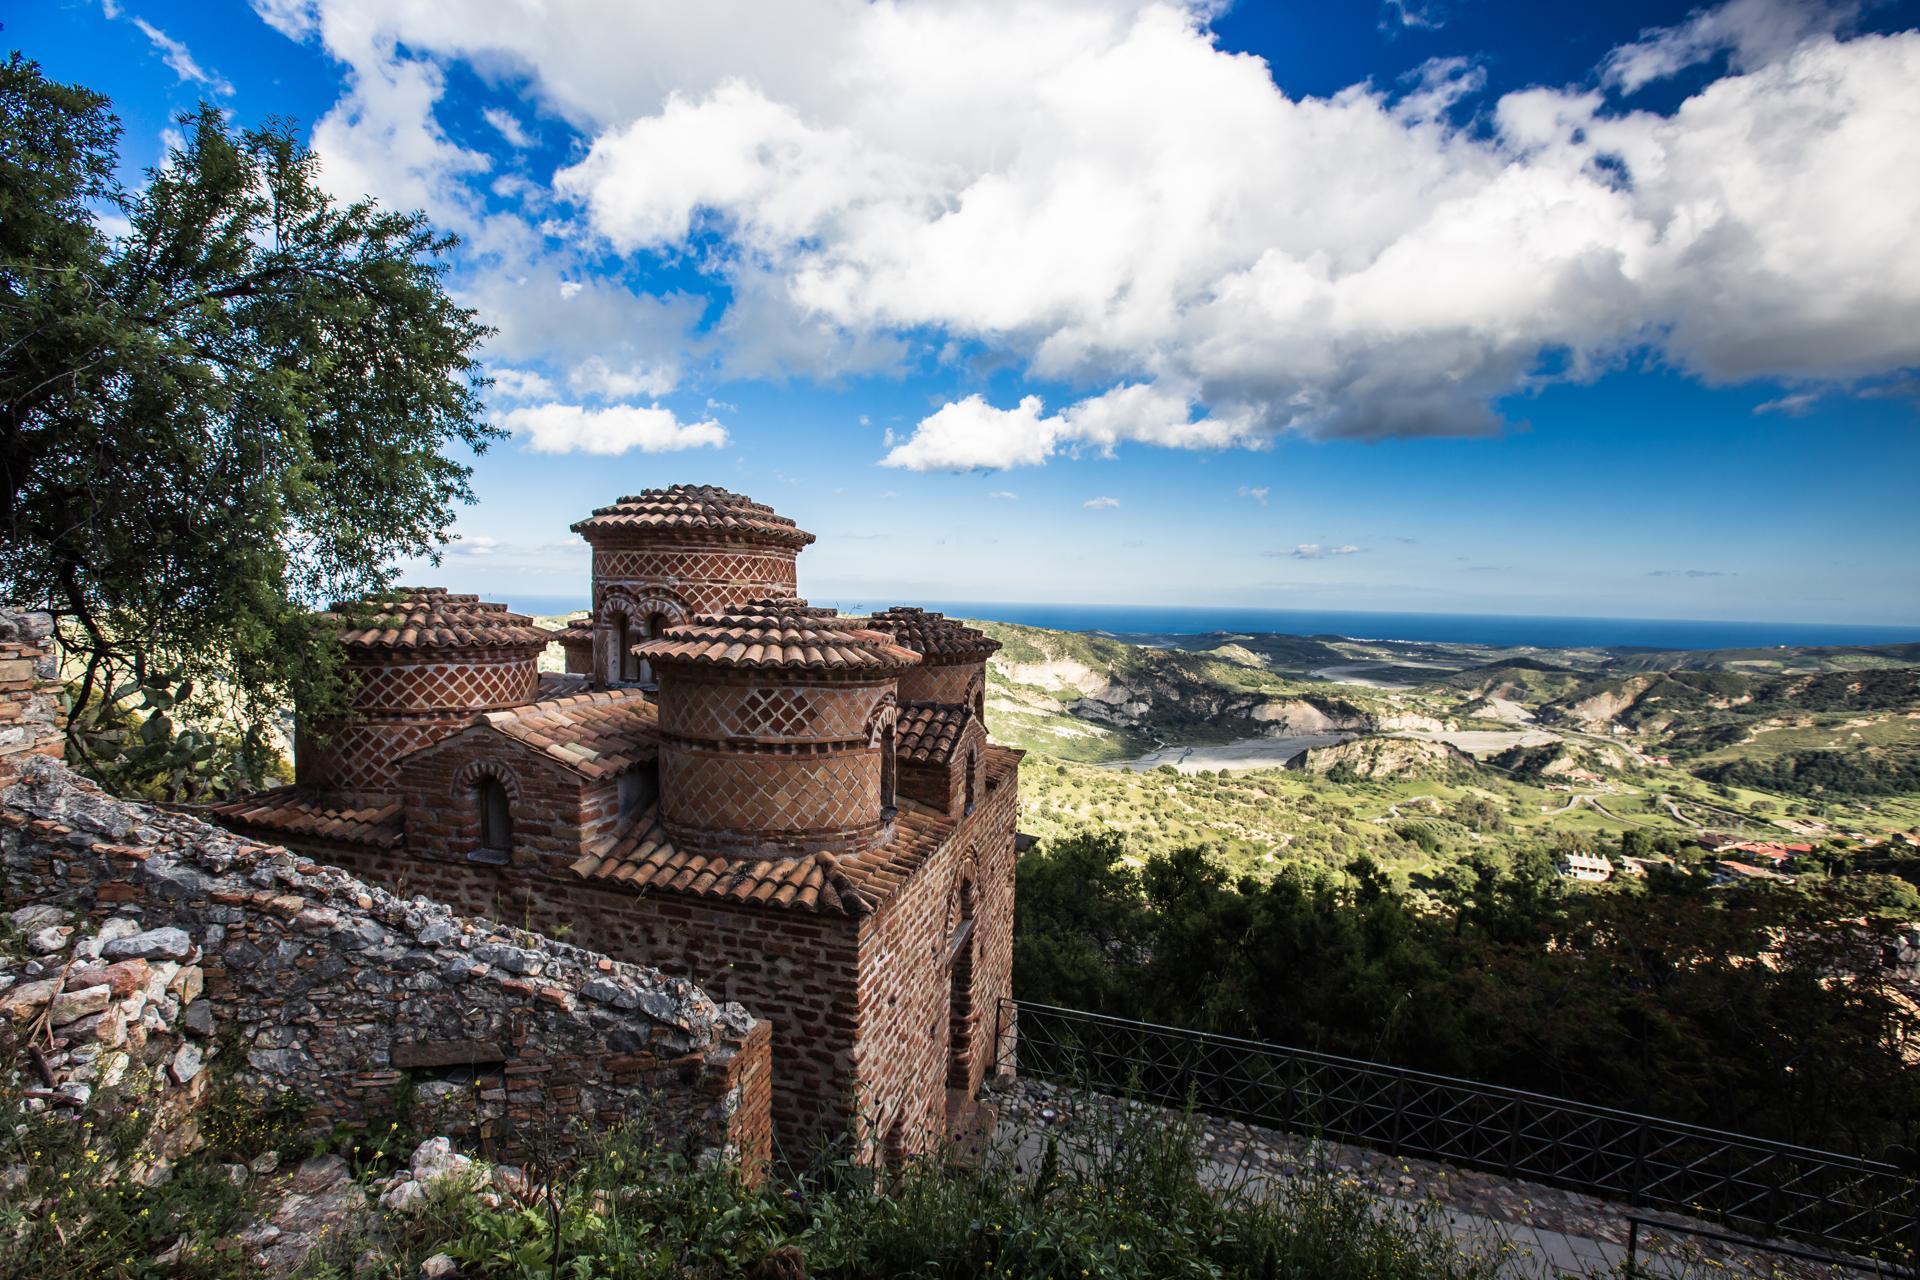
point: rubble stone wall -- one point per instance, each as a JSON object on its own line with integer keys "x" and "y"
{"x": 338, "y": 990}
{"x": 796, "y": 969}
{"x": 30, "y": 716}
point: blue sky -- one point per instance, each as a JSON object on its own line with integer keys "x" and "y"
{"x": 1467, "y": 306}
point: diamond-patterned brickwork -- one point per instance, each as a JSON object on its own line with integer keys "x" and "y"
{"x": 359, "y": 757}
{"x": 445, "y": 685}
{"x": 708, "y": 580}
{"x": 726, "y": 565}
{"x": 696, "y": 705}
{"x": 777, "y": 713}
{"x": 734, "y": 802}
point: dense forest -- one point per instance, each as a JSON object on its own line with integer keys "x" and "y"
{"x": 1772, "y": 1011}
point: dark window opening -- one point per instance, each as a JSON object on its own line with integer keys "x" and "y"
{"x": 889, "y": 771}
{"x": 972, "y": 758}
{"x": 980, "y": 704}
{"x": 627, "y": 664}
{"x": 496, "y": 815}
{"x": 639, "y": 788}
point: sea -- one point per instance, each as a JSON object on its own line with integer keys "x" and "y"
{"x": 1455, "y": 628}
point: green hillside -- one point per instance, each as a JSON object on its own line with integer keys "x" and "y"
{"x": 1446, "y": 750}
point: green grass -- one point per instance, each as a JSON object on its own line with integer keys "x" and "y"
{"x": 1131, "y": 1206}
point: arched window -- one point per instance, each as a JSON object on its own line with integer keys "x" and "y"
{"x": 980, "y": 704}
{"x": 627, "y": 663}
{"x": 972, "y": 760}
{"x": 889, "y": 772}
{"x": 496, "y": 815}
{"x": 960, "y": 1011}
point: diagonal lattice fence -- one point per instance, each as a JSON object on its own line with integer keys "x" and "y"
{"x": 1754, "y": 1184}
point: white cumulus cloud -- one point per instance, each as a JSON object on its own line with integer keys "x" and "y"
{"x": 971, "y": 434}
{"x": 1096, "y": 193}
{"x": 620, "y": 428}
{"x": 1100, "y": 504}
{"x": 1752, "y": 32}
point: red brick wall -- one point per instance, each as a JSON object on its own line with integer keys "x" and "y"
{"x": 555, "y": 811}
{"x": 764, "y": 761}
{"x": 944, "y": 786}
{"x": 858, "y": 1007}
{"x": 954, "y": 683}
{"x": 796, "y": 969}
{"x": 904, "y": 1045}
{"x": 708, "y": 573}
{"x": 403, "y": 702}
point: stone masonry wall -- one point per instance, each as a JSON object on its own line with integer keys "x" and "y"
{"x": 907, "y": 1038}
{"x": 337, "y": 989}
{"x": 794, "y": 968}
{"x": 30, "y": 716}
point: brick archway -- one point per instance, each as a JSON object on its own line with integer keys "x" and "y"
{"x": 474, "y": 770}
{"x": 494, "y": 795}
{"x": 880, "y": 733}
{"x": 881, "y": 719}
{"x": 624, "y": 618}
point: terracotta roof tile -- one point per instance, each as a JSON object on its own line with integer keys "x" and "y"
{"x": 641, "y": 856}
{"x": 779, "y": 633}
{"x": 431, "y": 618}
{"x": 598, "y": 734}
{"x": 557, "y": 684}
{"x": 927, "y": 732}
{"x": 700, "y": 508}
{"x": 297, "y": 811}
{"x": 934, "y": 634}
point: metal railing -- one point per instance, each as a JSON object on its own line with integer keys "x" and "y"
{"x": 1753, "y": 1184}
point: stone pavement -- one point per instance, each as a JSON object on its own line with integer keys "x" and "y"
{"x": 1533, "y": 1230}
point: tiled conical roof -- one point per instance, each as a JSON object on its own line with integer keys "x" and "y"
{"x": 779, "y": 633}
{"x": 433, "y": 618}
{"x": 699, "y": 508}
{"x": 934, "y": 635}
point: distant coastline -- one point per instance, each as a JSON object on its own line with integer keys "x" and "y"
{"x": 1454, "y": 628}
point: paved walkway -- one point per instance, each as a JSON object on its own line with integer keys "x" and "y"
{"x": 1535, "y": 1230}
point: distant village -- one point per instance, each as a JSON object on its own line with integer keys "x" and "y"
{"x": 1733, "y": 860}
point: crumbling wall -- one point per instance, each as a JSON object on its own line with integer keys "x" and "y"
{"x": 337, "y": 989}
{"x": 30, "y": 716}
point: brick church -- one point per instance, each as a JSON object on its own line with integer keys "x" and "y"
{"x": 798, "y": 810}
